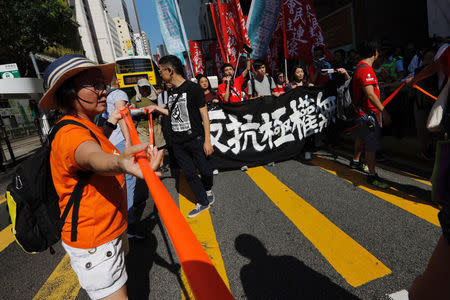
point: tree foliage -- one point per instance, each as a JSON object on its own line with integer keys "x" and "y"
{"x": 33, "y": 26}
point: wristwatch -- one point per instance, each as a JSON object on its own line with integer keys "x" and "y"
{"x": 110, "y": 125}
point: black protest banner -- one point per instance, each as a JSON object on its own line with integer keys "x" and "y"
{"x": 268, "y": 129}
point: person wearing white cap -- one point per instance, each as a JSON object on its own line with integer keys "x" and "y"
{"x": 146, "y": 95}
{"x": 97, "y": 249}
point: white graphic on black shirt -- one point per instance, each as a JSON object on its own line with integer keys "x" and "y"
{"x": 180, "y": 114}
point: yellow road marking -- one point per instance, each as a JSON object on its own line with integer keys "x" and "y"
{"x": 2, "y": 199}
{"x": 62, "y": 283}
{"x": 407, "y": 202}
{"x": 347, "y": 257}
{"x": 203, "y": 229}
{"x": 6, "y": 238}
{"x": 386, "y": 167}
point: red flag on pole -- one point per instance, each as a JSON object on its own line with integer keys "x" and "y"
{"x": 275, "y": 48}
{"x": 301, "y": 30}
{"x": 217, "y": 59}
{"x": 198, "y": 57}
{"x": 214, "y": 6}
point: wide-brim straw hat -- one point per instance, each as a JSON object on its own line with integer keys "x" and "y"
{"x": 64, "y": 68}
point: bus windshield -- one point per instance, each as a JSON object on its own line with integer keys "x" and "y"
{"x": 133, "y": 65}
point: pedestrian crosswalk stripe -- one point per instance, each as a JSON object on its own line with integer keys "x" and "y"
{"x": 407, "y": 174}
{"x": 62, "y": 283}
{"x": 6, "y": 238}
{"x": 407, "y": 202}
{"x": 357, "y": 265}
{"x": 203, "y": 229}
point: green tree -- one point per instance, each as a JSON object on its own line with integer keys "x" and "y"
{"x": 33, "y": 26}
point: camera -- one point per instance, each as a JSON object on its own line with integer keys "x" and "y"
{"x": 247, "y": 48}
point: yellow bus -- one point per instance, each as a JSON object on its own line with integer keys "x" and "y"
{"x": 130, "y": 69}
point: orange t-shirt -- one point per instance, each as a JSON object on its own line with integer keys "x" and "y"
{"x": 103, "y": 207}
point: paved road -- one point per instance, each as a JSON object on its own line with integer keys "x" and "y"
{"x": 296, "y": 230}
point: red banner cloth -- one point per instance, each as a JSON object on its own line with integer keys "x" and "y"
{"x": 217, "y": 60}
{"x": 243, "y": 22}
{"x": 214, "y": 6}
{"x": 275, "y": 50}
{"x": 301, "y": 30}
{"x": 198, "y": 57}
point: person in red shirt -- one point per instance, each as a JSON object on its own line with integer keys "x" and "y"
{"x": 281, "y": 83}
{"x": 370, "y": 111}
{"x": 231, "y": 89}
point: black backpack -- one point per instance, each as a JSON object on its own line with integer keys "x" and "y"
{"x": 33, "y": 203}
{"x": 346, "y": 107}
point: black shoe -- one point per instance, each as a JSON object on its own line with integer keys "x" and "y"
{"x": 376, "y": 181}
{"x": 357, "y": 165}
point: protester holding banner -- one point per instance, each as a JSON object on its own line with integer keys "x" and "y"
{"x": 98, "y": 247}
{"x": 261, "y": 84}
{"x": 189, "y": 133}
{"x": 370, "y": 112}
{"x": 299, "y": 78}
{"x": 204, "y": 83}
{"x": 281, "y": 83}
{"x": 231, "y": 89}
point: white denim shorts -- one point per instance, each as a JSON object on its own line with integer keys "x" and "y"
{"x": 100, "y": 270}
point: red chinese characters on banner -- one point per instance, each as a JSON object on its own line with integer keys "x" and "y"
{"x": 301, "y": 30}
{"x": 275, "y": 50}
{"x": 198, "y": 57}
{"x": 217, "y": 60}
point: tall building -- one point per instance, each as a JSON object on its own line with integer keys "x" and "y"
{"x": 161, "y": 50}
{"x": 139, "y": 44}
{"x": 205, "y": 22}
{"x": 118, "y": 9}
{"x": 124, "y": 33}
{"x": 146, "y": 43}
{"x": 132, "y": 15}
{"x": 96, "y": 31}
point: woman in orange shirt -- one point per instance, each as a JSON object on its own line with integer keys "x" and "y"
{"x": 97, "y": 250}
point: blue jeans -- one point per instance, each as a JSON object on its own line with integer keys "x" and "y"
{"x": 131, "y": 185}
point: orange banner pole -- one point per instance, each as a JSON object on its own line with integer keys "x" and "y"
{"x": 150, "y": 131}
{"x": 202, "y": 276}
{"x": 391, "y": 96}
{"x": 423, "y": 91}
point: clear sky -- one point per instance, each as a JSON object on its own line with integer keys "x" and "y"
{"x": 149, "y": 21}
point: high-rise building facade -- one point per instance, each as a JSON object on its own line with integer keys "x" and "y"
{"x": 124, "y": 33}
{"x": 118, "y": 9}
{"x": 98, "y": 37}
{"x": 146, "y": 43}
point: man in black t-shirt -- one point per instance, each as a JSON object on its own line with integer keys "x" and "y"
{"x": 189, "y": 134}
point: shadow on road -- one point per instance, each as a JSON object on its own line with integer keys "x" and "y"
{"x": 143, "y": 255}
{"x": 282, "y": 277}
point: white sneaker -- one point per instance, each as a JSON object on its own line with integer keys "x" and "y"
{"x": 308, "y": 155}
{"x": 215, "y": 172}
{"x": 244, "y": 168}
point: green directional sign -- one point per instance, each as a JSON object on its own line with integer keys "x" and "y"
{"x": 9, "y": 71}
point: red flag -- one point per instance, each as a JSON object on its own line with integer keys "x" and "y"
{"x": 301, "y": 30}
{"x": 214, "y": 50}
{"x": 275, "y": 47}
{"x": 198, "y": 57}
{"x": 214, "y": 6}
{"x": 156, "y": 56}
{"x": 230, "y": 31}
{"x": 242, "y": 21}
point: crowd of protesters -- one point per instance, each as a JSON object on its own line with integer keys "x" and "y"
{"x": 180, "y": 117}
